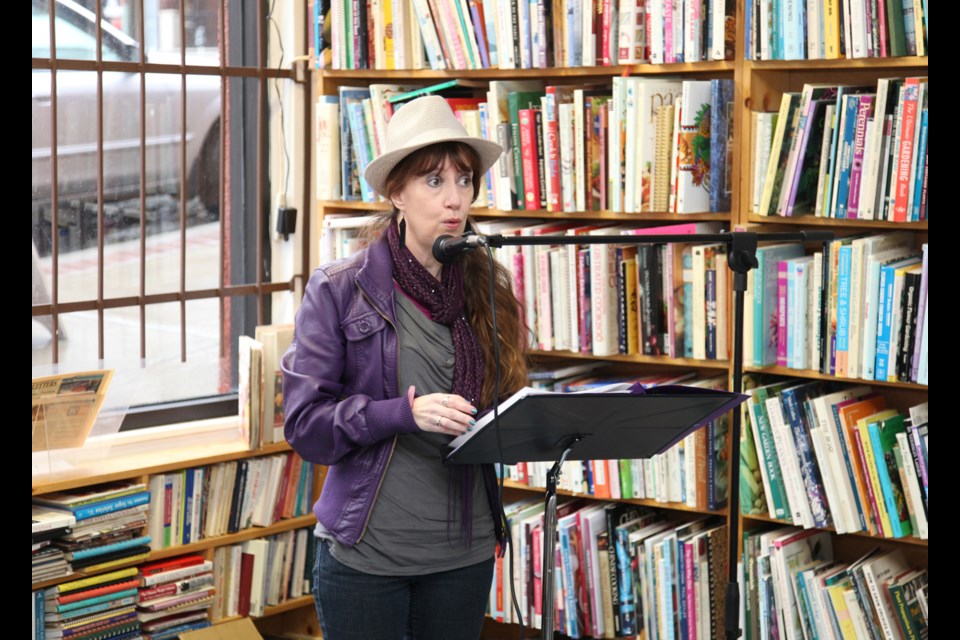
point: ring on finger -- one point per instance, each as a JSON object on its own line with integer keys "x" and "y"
{"x": 439, "y": 418}
{"x": 446, "y": 400}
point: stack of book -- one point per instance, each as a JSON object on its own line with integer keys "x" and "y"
{"x": 48, "y": 525}
{"x": 109, "y": 518}
{"x": 175, "y": 595}
{"x": 103, "y": 604}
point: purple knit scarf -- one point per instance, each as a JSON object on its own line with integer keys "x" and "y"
{"x": 445, "y": 300}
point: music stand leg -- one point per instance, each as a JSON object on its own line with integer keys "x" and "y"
{"x": 548, "y": 566}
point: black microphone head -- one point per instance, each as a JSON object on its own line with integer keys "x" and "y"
{"x": 439, "y": 252}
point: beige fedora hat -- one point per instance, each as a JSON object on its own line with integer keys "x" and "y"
{"x": 420, "y": 123}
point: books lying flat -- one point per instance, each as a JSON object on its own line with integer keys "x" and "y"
{"x": 537, "y": 425}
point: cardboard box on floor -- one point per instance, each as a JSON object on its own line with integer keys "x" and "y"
{"x": 240, "y": 629}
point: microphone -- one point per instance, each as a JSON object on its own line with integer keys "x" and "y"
{"x": 446, "y": 248}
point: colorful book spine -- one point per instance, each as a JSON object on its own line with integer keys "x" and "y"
{"x": 111, "y": 506}
{"x": 919, "y": 187}
{"x": 864, "y": 111}
{"x": 905, "y": 150}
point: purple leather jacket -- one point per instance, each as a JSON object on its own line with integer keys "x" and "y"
{"x": 340, "y": 388}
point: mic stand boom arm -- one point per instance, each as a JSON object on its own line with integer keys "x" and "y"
{"x": 741, "y": 257}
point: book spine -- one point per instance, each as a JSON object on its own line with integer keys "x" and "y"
{"x": 111, "y": 506}
{"x": 864, "y": 110}
{"x": 905, "y": 153}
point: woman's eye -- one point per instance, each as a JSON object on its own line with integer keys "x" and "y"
{"x": 433, "y": 181}
{"x": 466, "y": 181}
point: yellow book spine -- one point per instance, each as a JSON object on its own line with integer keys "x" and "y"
{"x": 871, "y": 476}
{"x": 847, "y": 630}
{"x": 831, "y": 29}
{"x": 94, "y": 580}
{"x": 118, "y": 561}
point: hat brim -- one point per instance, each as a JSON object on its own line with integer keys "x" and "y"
{"x": 377, "y": 171}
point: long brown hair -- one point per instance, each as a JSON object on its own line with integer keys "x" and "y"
{"x": 476, "y": 273}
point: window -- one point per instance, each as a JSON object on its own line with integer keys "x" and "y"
{"x": 151, "y": 191}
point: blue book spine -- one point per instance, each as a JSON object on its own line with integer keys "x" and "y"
{"x": 39, "y": 615}
{"x": 886, "y": 487}
{"x": 109, "y": 506}
{"x": 317, "y": 33}
{"x": 574, "y": 34}
{"x": 748, "y": 31}
{"x": 776, "y": 29}
{"x": 921, "y": 167}
{"x": 845, "y": 153}
{"x": 884, "y": 319}
{"x": 681, "y": 563}
{"x": 843, "y": 299}
{"x": 80, "y": 604}
{"x": 721, "y": 110}
{"x": 569, "y": 585}
{"x": 667, "y": 587}
{"x": 96, "y": 608}
{"x": 90, "y": 552}
{"x": 478, "y": 27}
{"x": 523, "y": 15}
{"x": 358, "y": 132}
{"x": 186, "y": 516}
{"x": 758, "y": 288}
{"x": 791, "y": 400}
{"x": 628, "y": 623}
{"x": 491, "y": 28}
{"x": 793, "y": 46}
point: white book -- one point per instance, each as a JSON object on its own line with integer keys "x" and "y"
{"x": 792, "y": 551}
{"x": 617, "y": 107}
{"x": 763, "y": 139}
{"x": 627, "y": 32}
{"x": 873, "y": 150}
{"x": 498, "y": 113}
{"x": 844, "y": 510}
{"x": 862, "y": 250}
{"x": 829, "y": 121}
{"x": 565, "y": 122}
{"x": 699, "y": 303}
{"x": 814, "y": 29}
{"x": 259, "y": 548}
{"x": 651, "y": 93}
{"x": 857, "y": 28}
{"x": 801, "y": 513}
{"x": 876, "y": 572}
{"x": 717, "y": 43}
{"x": 816, "y": 297}
{"x": 857, "y": 614}
{"x": 912, "y": 488}
{"x": 429, "y": 34}
{"x": 328, "y": 148}
{"x": 691, "y": 197}
{"x": 580, "y": 171}
{"x": 603, "y": 294}
{"x": 797, "y": 309}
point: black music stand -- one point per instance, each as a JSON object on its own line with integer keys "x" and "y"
{"x": 543, "y": 426}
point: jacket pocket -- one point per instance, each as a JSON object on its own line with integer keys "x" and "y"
{"x": 364, "y": 336}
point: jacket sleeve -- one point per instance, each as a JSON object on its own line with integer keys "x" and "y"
{"x": 322, "y": 424}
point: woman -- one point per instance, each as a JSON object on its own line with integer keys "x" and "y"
{"x": 392, "y": 355}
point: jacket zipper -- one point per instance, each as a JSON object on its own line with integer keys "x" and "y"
{"x": 393, "y": 445}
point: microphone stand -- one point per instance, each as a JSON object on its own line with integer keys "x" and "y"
{"x": 741, "y": 257}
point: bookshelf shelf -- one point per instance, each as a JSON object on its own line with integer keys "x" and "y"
{"x": 514, "y": 74}
{"x": 903, "y": 62}
{"x": 672, "y": 506}
{"x": 812, "y": 221}
{"x": 816, "y": 375}
{"x": 911, "y": 540}
{"x": 659, "y": 360}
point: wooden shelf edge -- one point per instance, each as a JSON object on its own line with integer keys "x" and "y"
{"x": 637, "y": 359}
{"x": 552, "y": 72}
{"x": 911, "y": 540}
{"x": 842, "y": 64}
{"x": 816, "y": 375}
{"x": 672, "y": 506}
{"x": 814, "y": 221}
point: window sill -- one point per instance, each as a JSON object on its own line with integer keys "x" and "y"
{"x": 142, "y": 451}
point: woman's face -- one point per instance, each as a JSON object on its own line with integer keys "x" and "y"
{"x": 433, "y": 205}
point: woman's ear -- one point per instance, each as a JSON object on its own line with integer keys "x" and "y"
{"x": 397, "y": 201}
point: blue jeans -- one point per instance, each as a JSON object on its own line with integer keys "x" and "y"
{"x": 353, "y": 605}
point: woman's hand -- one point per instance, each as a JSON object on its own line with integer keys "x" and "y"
{"x": 445, "y": 413}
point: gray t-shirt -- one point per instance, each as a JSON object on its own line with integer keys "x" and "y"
{"x": 415, "y": 525}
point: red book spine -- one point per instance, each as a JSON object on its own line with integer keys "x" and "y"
{"x": 604, "y": 111}
{"x": 782, "y": 313}
{"x": 604, "y": 55}
{"x": 246, "y": 580}
{"x": 905, "y": 156}
{"x": 528, "y": 157}
{"x": 553, "y": 151}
